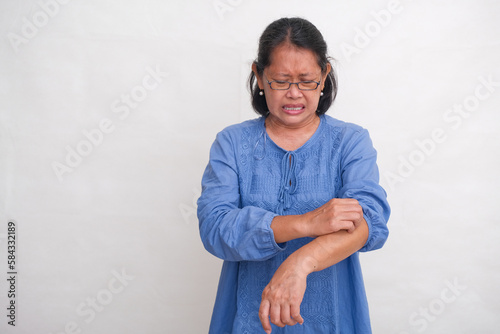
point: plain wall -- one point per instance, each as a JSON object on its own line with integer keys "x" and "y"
{"x": 108, "y": 110}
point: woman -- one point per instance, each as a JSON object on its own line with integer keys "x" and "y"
{"x": 290, "y": 198}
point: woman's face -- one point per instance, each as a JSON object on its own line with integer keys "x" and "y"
{"x": 292, "y": 108}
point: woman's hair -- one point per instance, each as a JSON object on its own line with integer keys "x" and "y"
{"x": 302, "y": 34}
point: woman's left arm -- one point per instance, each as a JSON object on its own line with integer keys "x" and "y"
{"x": 283, "y": 295}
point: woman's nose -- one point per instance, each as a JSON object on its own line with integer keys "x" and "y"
{"x": 294, "y": 91}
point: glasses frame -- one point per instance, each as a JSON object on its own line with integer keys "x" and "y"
{"x": 294, "y": 83}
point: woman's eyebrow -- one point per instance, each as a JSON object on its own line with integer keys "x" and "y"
{"x": 285, "y": 75}
{"x": 280, "y": 75}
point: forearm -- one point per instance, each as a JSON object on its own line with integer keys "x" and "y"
{"x": 286, "y": 228}
{"x": 335, "y": 215}
{"x": 283, "y": 295}
{"x": 237, "y": 234}
{"x": 327, "y": 250}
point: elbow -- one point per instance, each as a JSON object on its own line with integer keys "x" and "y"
{"x": 209, "y": 237}
{"x": 377, "y": 232}
{"x": 216, "y": 242}
{"x": 376, "y": 240}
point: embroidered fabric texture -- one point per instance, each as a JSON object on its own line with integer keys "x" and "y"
{"x": 287, "y": 183}
{"x": 248, "y": 181}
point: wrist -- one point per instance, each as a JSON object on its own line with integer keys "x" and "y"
{"x": 303, "y": 262}
{"x": 303, "y": 227}
{"x": 286, "y": 228}
{"x": 300, "y": 226}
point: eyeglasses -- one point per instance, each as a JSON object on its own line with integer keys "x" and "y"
{"x": 285, "y": 85}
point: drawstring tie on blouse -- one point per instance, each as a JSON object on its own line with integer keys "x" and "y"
{"x": 288, "y": 180}
{"x": 288, "y": 183}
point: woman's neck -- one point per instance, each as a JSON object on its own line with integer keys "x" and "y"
{"x": 291, "y": 138}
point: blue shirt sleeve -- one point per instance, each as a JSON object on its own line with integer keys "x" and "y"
{"x": 360, "y": 180}
{"x": 227, "y": 230}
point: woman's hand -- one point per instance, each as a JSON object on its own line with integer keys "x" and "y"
{"x": 335, "y": 215}
{"x": 283, "y": 295}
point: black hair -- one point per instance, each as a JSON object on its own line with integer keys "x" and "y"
{"x": 302, "y": 34}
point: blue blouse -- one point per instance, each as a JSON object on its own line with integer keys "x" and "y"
{"x": 248, "y": 181}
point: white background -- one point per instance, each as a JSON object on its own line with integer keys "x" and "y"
{"x": 126, "y": 206}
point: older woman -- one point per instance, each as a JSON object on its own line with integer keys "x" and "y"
{"x": 290, "y": 198}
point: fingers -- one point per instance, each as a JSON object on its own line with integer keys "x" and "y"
{"x": 340, "y": 205}
{"x": 295, "y": 313}
{"x": 276, "y": 315}
{"x": 264, "y": 316}
{"x": 345, "y": 214}
{"x": 285, "y": 317}
{"x": 281, "y": 316}
{"x": 282, "y": 297}
{"x": 350, "y": 227}
{"x": 344, "y": 201}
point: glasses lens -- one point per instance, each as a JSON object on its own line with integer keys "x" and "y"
{"x": 308, "y": 85}
{"x": 280, "y": 85}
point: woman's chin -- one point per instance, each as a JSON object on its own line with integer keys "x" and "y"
{"x": 294, "y": 117}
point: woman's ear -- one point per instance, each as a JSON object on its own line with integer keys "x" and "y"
{"x": 257, "y": 76}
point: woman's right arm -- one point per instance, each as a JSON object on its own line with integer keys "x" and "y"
{"x": 229, "y": 231}
{"x": 335, "y": 215}
{"x": 236, "y": 233}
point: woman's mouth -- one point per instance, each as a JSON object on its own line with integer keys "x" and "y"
{"x": 293, "y": 109}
